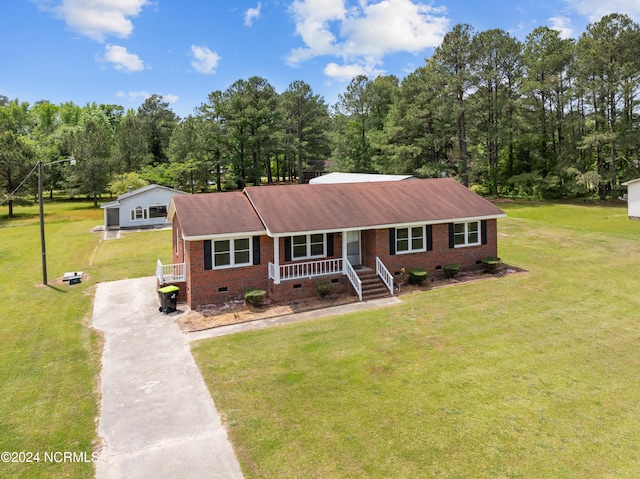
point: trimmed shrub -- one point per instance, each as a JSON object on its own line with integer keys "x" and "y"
{"x": 324, "y": 288}
{"x": 255, "y": 297}
{"x": 491, "y": 263}
{"x": 450, "y": 270}
{"x": 416, "y": 275}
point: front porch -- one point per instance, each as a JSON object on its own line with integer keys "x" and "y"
{"x": 366, "y": 282}
{"x": 170, "y": 273}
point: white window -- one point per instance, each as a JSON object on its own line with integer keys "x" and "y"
{"x": 308, "y": 246}
{"x": 466, "y": 234}
{"x": 139, "y": 213}
{"x": 158, "y": 211}
{"x": 227, "y": 253}
{"x": 410, "y": 240}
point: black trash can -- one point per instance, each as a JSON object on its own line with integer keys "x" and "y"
{"x": 168, "y": 299}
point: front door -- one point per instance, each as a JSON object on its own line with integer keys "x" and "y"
{"x": 353, "y": 248}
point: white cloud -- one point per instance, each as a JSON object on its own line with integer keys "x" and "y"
{"x": 312, "y": 19}
{"x": 133, "y": 96}
{"x": 594, "y": 10}
{"x": 99, "y": 18}
{"x": 361, "y": 35}
{"x": 121, "y": 59}
{"x": 251, "y": 14}
{"x": 394, "y": 25}
{"x": 562, "y": 25}
{"x": 140, "y": 96}
{"x": 204, "y": 60}
{"x": 347, "y": 72}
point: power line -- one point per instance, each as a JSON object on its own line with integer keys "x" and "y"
{"x": 19, "y": 186}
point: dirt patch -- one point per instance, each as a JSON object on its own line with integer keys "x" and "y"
{"x": 234, "y": 312}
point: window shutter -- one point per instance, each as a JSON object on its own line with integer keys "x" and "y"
{"x": 483, "y": 231}
{"x": 287, "y": 248}
{"x": 329, "y": 244}
{"x": 208, "y": 263}
{"x": 429, "y": 238}
{"x": 452, "y": 243}
{"x": 392, "y": 241}
{"x": 256, "y": 250}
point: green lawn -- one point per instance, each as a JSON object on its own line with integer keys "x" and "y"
{"x": 49, "y": 356}
{"x": 528, "y": 376}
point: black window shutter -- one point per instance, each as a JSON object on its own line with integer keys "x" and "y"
{"x": 483, "y": 231}
{"x": 392, "y": 241}
{"x": 329, "y": 244}
{"x": 208, "y": 263}
{"x": 452, "y": 243}
{"x": 256, "y": 250}
{"x": 287, "y": 248}
{"x": 429, "y": 238}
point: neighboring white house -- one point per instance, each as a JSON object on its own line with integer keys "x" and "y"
{"x": 633, "y": 198}
{"x": 138, "y": 208}
{"x": 338, "y": 177}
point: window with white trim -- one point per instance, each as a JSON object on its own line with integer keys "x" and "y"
{"x": 410, "y": 240}
{"x": 466, "y": 234}
{"x": 139, "y": 213}
{"x": 159, "y": 211}
{"x": 236, "y": 252}
{"x": 308, "y": 246}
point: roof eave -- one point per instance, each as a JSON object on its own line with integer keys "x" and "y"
{"x": 389, "y": 225}
{"x": 217, "y": 236}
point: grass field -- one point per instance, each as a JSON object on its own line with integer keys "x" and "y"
{"x": 528, "y": 376}
{"x": 49, "y": 357}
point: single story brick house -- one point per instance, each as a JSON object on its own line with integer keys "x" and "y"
{"x": 143, "y": 207}
{"x": 285, "y": 239}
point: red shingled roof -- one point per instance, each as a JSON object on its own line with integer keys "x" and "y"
{"x": 216, "y": 214}
{"x": 297, "y": 208}
{"x": 329, "y": 207}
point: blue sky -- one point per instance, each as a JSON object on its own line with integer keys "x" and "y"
{"x": 121, "y": 51}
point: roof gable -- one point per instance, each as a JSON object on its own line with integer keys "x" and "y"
{"x": 144, "y": 189}
{"x": 215, "y": 214}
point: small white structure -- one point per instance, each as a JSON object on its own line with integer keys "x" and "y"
{"x": 338, "y": 177}
{"x": 144, "y": 207}
{"x": 633, "y": 198}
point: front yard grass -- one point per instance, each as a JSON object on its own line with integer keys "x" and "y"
{"x": 531, "y": 375}
{"x": 49, "y": 355}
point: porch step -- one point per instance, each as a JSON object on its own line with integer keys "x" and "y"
{"x": 372, "y": 286}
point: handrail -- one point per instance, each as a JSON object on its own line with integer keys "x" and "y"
{"x": 353, "y": 277}
{"x": 383, "y": 272}
{"x": 308, "y": 269}
{"x": 170, "y": 273}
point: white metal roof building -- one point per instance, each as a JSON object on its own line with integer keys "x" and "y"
{"x": 338, "y": 177}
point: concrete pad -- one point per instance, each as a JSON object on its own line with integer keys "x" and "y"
{"x": 157, "y": 418}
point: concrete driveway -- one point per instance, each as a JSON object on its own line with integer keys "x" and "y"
{"x": 157, "y": 418}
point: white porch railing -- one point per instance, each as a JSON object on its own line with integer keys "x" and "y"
{"x": 353, "y": 277}
{"x": 170, "y": 273}
{"x": 305, "y": 270}
{"x": 383, "y": 272}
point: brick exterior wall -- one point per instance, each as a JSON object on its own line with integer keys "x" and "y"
{"x": 295, "y": 289}
{"x": 376, "y": 243}
{"x": 216, "y": 286}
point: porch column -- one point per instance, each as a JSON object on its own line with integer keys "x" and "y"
{"x": 276, "y": 259}
{"x": 344, "y": 252}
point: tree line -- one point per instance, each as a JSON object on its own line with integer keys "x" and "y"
{"x": 548, "y": 117}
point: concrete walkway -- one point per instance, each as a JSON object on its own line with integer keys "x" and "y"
{"x": 157, "y": 418}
